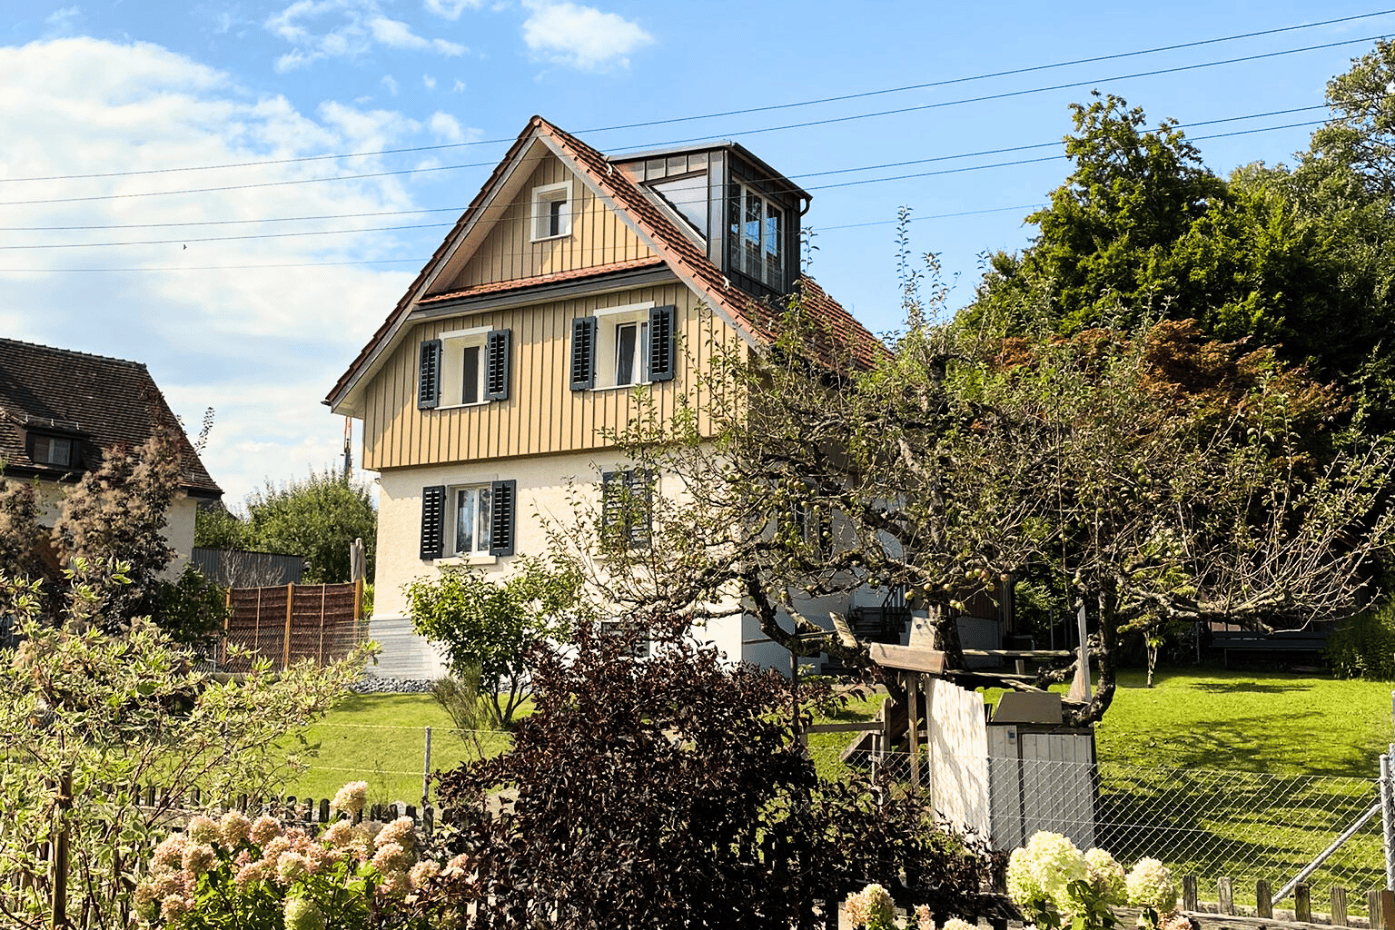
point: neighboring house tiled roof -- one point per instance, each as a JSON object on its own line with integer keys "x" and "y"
{"x": 106, "y": 402}
{"x": 840, "y": 335}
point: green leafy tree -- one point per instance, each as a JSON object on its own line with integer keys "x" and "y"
{"x": 318, "y": 517}
{"x": 1154, "y": 474}
{"x": 1289, "y": 258}
{"x": 485, "y": 627}
{"x": 216, "y": 527}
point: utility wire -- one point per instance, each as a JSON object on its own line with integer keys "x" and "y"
{"x": 728, "y": 113}
{"x": 830, "y": 186}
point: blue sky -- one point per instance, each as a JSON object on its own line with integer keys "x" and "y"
{"x": 135, "y": 223}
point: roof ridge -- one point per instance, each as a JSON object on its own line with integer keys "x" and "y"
{"x": 91, "y": 355}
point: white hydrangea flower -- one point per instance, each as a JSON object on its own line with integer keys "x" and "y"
{"x": 1150, "y": 884}
{"x": 1041, "y": 871}
{"x": 1106, "y": 877}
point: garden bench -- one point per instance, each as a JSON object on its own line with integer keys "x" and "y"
{"x": 1295, "y": 641}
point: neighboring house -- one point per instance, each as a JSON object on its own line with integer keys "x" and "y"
{"x": 570, "y": 279}
{"x": 62, "y": 411}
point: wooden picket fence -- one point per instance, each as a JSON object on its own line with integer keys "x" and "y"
{"x": 1380, "y": 907}
{"x": 321, "y": 622}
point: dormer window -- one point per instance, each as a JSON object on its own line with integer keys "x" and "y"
{"x": 52, "y": 450}
{"x": 756, "y": 236}
{"x": 552, "y": 217}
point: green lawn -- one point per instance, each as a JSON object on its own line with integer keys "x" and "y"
{"x": 381, "y": 739}
{"x": 1213, "y": 719}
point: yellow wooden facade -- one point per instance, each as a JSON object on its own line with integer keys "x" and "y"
{"x": 509, "y": 253}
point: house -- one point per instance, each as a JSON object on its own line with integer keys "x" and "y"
{"x": 571, "y": 278}
{"x": 61, "y": 411}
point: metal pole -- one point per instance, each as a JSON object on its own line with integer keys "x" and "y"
{"x": 426, "y": 771}
{"x": 1387, "y": 818}
{"x": 1311, "y": 867}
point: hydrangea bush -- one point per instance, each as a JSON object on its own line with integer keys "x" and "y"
{"x": 873, "y": 909}
{"x": 261, "y": 875}
{"x": 1056, "y": 885}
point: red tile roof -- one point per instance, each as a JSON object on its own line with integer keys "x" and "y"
{"x": 109, "y": 401}
{"x": 576, "y": 274}
{"x": 842, "y": 336}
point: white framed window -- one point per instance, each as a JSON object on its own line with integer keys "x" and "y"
{"x": 622, "y": 346}
{"x": 755, "y": 236}
{"x": 52, "y": 450}
{"x": 552, "y": 211}
{"x": 471, "y": 512}
{"x": 462, "y": 367}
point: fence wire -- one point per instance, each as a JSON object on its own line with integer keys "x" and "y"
{"x": 1246, "y": 826}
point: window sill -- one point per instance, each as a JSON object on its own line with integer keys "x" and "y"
{"x": 565, "y": 235}
{"x": 478, "y": 403}
{"x": 624, "y": 387}
{"x": 468, "y": 560}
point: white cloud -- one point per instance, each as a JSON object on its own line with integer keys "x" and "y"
{"x": 60, "y": 22}
{"x": 258, "y": 328}
{"x": 428, "y": 82}
{"x": 446, "y": 127}
{"x": 459, "y": 87}
{"x": 451, "y": 9}
{"x": 321, "y": 29}
{"x": 390, "y": 83}
{"x": 581, "y": 36}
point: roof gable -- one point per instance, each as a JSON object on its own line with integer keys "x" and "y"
{"x": 615, "y": 189}
{"x": 102, "y": 403}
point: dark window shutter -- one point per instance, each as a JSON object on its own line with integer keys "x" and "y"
{"x": 583, "y": 353}
{"x": 496, "y": 376}
{"x": 429, "y": 381}
{"x": 501, "y": 520}
{"x": 661, "y": 349}
{"x": 433, "y": 521}
{"x": 626, "y": 508}
{"x": 641, "y": 507}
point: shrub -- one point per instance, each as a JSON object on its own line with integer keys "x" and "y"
{"x": 669, "y": 791}
{"x": 238, "y": 873}
{"x": 94, "y": 716}
{"x": 1363, "y": 646}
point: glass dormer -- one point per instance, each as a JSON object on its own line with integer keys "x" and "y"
{"x": 742, "y": 212}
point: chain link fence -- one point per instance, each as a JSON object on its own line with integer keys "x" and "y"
{"x": 1245, "y": 826}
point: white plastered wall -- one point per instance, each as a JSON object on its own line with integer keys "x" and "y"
{"x": 179, "y": 522}
{"x": 543, "y": 487}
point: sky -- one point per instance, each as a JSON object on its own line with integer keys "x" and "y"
{"x": 237, "y": 193}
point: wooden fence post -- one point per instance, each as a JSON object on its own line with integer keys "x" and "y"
{"x": 227, "y": 622}
{"x": 1189, "y": 892}
{"x": 1226, "y": 896}
{"x": 1302, "y": 903}
{"x": 1264, "y": 900}
{"x": 1339, "y": 906}
{"x": 286, "y": 647}
{"x": 320, "y": 649}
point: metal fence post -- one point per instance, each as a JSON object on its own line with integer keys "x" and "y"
{"x": 426, "y": 771}
{"x": 1387, "y": 817}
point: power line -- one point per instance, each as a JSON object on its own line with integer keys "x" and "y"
{"x": 739, "y": 112}
{"x": 830, "y": 186}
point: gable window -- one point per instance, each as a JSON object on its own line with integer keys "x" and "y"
{"x": 627, "y": 506}
{"x": 623, "y": 346}
{"x": 465, "y": 367}
{"x": 468, "y": 521}
{"x": 552, "y": 214}
{"x": 755, "y": 236}
{"x": 52, "y": 450}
